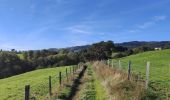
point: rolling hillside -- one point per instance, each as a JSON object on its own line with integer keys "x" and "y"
{"x": 98, "y": 79}
{"x": 13, "y": 88}
{"x": 152, "y": 44}
{"x": 159, "y": 68}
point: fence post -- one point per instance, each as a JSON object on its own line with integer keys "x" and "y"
{"x": 70, "y": 70}
{"x": 78, "y": 66}
{"x": 112, "y": 63}
{"x": 139, "y": 76}
{"x": 60, "y": 78}
{"x": 120, "y": 64}
{"x": 27, "y": 92}
{"x": 66, "y": 74}
{"x": 50, "y": 92}
{"x": 147, "y": 74}
{"x": 129, "y": 70}
{"x": 108, "y": 62}
{"x": 73, "y": 70}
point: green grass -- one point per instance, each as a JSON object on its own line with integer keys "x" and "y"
{"x": 21, "y": 56}
{"x": 92, "y": 90}
{"x": 100, "y": 91}
{"x": 13, "y": 88}
{"x": 90, "y": 86}
{"x": 159, "y": 68}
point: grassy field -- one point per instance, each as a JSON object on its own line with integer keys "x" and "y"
{"x": 159, "y": 68}
{"x": 13, "y": 88}
{"x": 20, "y": 56}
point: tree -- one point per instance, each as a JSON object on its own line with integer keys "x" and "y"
{"x": 11, "y": 64}
{"x": 98, "y": 51}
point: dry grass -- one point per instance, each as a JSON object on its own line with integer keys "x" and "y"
{"x": 116, "y": 83}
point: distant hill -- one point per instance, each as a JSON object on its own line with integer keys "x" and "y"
{"x": 130, "y": 45}
{"x": 74, "y": 49}
{"x": 78, "y": 48}
{"x": 153, "y": 44}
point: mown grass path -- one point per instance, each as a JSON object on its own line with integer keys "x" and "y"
{"x": 91, "y": 88}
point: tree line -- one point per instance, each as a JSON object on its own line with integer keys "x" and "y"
{"x": 11, "y": 64}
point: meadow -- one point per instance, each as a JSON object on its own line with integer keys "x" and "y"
{"x": 159, "y": 76}
{"x": 94, "y": 87}
{"x": 12, "y": 88}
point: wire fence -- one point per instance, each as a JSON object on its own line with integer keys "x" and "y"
{"x": 154, "y": 76}
{"x": 51, "y": 85}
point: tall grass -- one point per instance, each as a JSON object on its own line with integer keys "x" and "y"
{"x": 116, "y": 83}
{"x": 159, "y": 79}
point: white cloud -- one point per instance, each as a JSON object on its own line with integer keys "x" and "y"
{"x": 78, "y": 30}
{"x": 133, "y": 31}
{"x": 146, "y": 24}
{"x": 152, "y": 22}
{"x": 81, "y": 29}
{"x": 159, "y": 18}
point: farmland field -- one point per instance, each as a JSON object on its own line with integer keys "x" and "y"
{"x": 13, "y": 88}
{"x": 20, "y": 56}
{"x": 159, "y": 67}
{"x": 99, "y": 82}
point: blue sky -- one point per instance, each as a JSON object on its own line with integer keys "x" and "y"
{"x": 38, "y": 24}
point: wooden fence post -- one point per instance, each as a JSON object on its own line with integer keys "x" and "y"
{"x": 60, "y": 78}
{"x": 27, "y": 92}
{"x": 147, "y": 74}
{"x": 112, "y": 63}
{"x": 70, "y": 70}
{"x": 78, "y": 66}
{"x": 50, "y": 92}
{"x": 73, "y": 73}
{"x": 73, "y": 70}
{"x": 67, "y": 74}
{"x": 120, "y": 64}
{"x": 129, "y": 70}
{"x": 139, "y": 76}
{"x": 108, "y": 62}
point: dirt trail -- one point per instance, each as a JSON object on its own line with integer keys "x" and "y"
{"x": 71, "y": 87}
{"x": 76, "y": 85}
